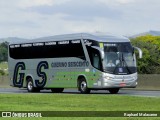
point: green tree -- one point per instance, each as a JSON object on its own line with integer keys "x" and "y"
{"x": 150, "y": 45}
{"x": 4, "y": 51}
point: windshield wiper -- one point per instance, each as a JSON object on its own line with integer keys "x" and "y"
{"x": 126, "y": 65}
{"x": 117, "y": 65}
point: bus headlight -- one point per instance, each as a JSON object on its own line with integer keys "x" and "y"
{"x": 108, "y": 78}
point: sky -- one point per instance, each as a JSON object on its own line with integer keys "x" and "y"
{"x": 39, "y": 18}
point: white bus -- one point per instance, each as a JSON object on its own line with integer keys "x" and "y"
{"x": 84, "y": 61}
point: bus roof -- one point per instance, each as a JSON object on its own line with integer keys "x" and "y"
{"x": 101, "y": 37}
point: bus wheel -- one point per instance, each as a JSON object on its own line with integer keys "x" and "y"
{"x": 114, "y": 90}
{"x": 57, "y": 90}
{"x": 83, "y": 87}
{"x": 30, "y": 86}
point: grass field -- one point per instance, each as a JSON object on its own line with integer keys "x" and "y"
{"x": 77, "y": 102}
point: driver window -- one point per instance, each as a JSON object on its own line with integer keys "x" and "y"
{"x": 111, "y": 57}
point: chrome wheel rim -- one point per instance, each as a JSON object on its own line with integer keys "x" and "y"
{"x": 30, "y": 85}
{"x": 83, "y": 86}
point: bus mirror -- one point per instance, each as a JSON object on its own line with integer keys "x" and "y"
{"x": 140, "y": 51}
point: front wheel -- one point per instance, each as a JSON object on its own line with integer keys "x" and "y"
{"x": 114, "y": 90}
{"x": 83, "y": 87}
{"x": 30, "y": 86}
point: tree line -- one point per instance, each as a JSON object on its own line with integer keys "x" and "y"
{"x": 150, "y": 45}
{"x": 3, "y": 55}
{"x": 149, "y": 64}
{"x": 4, "y": 52}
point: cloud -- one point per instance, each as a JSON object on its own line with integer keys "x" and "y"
{"x": 37, "y": 18}
{"x": 114, "y": 3}
{"x": 78, "y": 10}
{"x": 34, "y": 3}
{"x": 125, "y": 1}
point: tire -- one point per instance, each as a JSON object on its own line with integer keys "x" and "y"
{"x": 57, "y": 90}
{"x": 83, "y": 87}
{"x": 30, "y": 86}
{"x": 114, "y": 90}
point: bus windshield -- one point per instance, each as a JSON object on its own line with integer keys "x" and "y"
{"x": 119, "y": 58}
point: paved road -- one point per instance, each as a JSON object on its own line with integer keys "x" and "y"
{"x": 131, "y": 92}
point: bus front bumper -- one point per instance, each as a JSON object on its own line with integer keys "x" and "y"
{"x": 117, "y": 81}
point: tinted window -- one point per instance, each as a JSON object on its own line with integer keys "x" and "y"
{"x": 70, "y": 48}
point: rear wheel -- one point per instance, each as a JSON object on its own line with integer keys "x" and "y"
{"x": 30, "y": 86}
{"x": 114, "y": 90}
{"x": 57, "y": 90}
{"x": 83, "y": 87}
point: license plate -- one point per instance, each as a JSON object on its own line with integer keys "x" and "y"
{"x": 122, "y": 84}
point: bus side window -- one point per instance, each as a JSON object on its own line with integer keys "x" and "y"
{"x": 96, "y": 61}
{"x": 95, "y": 58}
